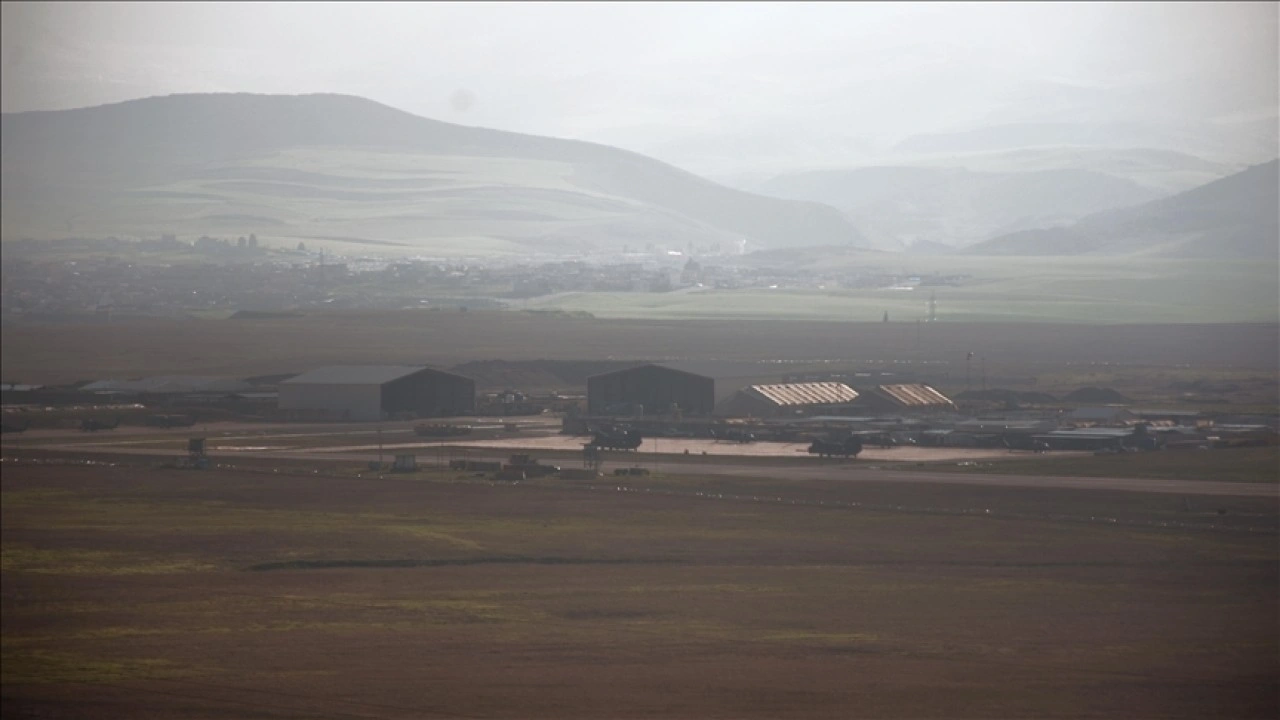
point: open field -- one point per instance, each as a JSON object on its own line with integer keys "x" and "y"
{"x": 1048, "y": 290}
{"x": 1012, "y": 352}
{"x": 1255, "y": 464}
{"x": 1058, "y": 290}
{"x": 150, "y": 593}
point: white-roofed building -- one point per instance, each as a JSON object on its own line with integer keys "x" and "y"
{"x": 786, "y": 399}
{"x": 904, "y": 398}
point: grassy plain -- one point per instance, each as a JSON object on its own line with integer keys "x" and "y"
{"x": 1087, "y": 290}
{"x": 1254, "y": 465}
{"x": 141, "y": 592}
{"x": 1055, "y": 290}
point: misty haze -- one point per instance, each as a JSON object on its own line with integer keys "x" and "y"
{"x": 581, "y": 360}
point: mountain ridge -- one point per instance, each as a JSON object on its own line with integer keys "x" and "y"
{"x": 1237, "y": 216}
{"x": 956, "y": 206}
{"x": 470, "y": 183}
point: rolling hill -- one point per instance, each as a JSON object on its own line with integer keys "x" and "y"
{"x": 1165, "y": 171}
{"x": 292, "y": 168}
{"x": 1236, "y": 217}
{"x": 1238, "y": 141}
{"x": 904, "y": 206}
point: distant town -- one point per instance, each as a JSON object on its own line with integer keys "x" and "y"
{"x": 164, "y": 277}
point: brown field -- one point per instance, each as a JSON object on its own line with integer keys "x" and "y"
{"x": 1013, "y": 352}
{"x": 140, "y": 592}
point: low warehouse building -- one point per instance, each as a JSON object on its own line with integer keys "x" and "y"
{"x": 169, "y": 385}
{"x": 1100, "y": 417}
{"x": 1087, "y": 438}
{"x": 376, "y": 392}
{"x": 650, "y": 389}
{"x": 786, "y": 399}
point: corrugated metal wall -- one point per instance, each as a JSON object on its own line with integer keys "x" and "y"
{"x": 352, "y": 402}
{"x": 430, "y": 393}
{"x": 656, "y": 388}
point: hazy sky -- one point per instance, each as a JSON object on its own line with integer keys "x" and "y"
{"x": 689, "y": 82}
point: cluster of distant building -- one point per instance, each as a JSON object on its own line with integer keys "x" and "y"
{"x": 679, "y": 399}
{"x": 40, "y": 283}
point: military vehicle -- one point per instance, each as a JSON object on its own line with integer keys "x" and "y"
{"x": 849, "y": 447}
{"x": 93, "y": 425}
{"x": 616, "y": 440}
{"x": 529, "y": 466}
{"x": 733, "y": 435}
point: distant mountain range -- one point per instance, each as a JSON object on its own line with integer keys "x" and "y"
{"x": 1235, "y": 217}
{"x": 351, "y": 172}
{"x": 293, "y": 168}
{"x": 1252, "y": 139}
{"x": 1163, "y": 171}
{"x": 953, "y": 206}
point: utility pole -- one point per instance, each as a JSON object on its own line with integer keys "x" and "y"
{"x": 917, "y": 341}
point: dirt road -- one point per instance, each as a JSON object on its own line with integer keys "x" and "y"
{"x": 864, "y": 469}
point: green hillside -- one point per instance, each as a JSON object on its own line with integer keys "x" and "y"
{"x": 1235, "y": 217}
{"x": 290, "y": 168}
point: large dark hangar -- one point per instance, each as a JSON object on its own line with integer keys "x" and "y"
{"x": 376, "y": 392}
{"x": 650, "y": 389}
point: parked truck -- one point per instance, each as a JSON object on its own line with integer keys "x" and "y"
{"x": 528, "y": 466}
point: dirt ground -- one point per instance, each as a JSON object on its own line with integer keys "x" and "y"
{"x": 243, "y": 348}
{"x": 151, "y": 593}
{"x": 537, "y": 435}
{"x": 689, "y": 446}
